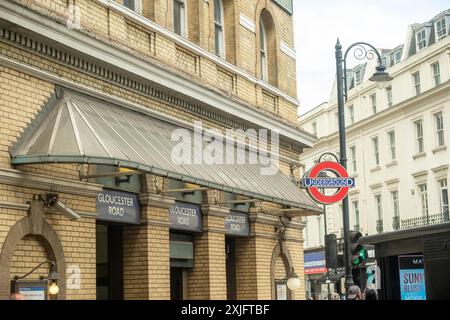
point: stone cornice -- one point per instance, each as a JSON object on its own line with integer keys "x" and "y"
{"x": 140, "y": 68}
{"x": 15, "y": 206}
{"x": 48, "y": 183}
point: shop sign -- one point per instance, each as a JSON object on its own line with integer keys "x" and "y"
{"x": 373, "y": 274}
{"x": 412, "y": 277}
{"x": 185, "y": 216}
{"x": 281, "y": 293}
{"x": 314, "y": 263}
{"x": 236, "y": 224}
{"x": 33, "y": 290}
{"x": 316, "y": 185}
{"x": 118, "y": 206}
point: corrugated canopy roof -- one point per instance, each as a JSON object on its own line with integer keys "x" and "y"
{"x": 79, "y": 129}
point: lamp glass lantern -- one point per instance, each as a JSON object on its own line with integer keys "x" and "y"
{"x": 380, "y": 76}
{"x": 53, "y": 277}
{"x": 293, "y": 282}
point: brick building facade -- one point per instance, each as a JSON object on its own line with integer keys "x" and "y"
{"x": 110, "y": 54}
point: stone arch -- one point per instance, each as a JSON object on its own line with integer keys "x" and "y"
{"x": 53, "y": 246}
{"x": 282, "y": 252}
{"x": 264, "y": 13}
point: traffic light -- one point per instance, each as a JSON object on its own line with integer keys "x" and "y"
{"x": 358, "y": 252}
{"x": 331, "y": 258}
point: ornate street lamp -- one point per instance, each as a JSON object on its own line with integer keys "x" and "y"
{"x": 362, "y": 50}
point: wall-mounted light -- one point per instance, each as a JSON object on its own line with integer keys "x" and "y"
{"x": 293, "y": 281}
{"x": 52, "y": 277}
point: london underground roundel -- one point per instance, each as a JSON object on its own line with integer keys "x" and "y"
{"x": 316, "y": 184}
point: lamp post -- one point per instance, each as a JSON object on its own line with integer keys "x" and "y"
{"x": 323, "y": 174}
{"x": 363, "y": 50}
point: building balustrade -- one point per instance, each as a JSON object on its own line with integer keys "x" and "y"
{"x": 396, "y": 223}
{"x": 424, "y": 221}
{"x": 380, "y": 226}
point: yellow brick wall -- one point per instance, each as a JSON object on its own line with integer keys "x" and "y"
{"x": 22, "y": 97}
{"x": 146, "y": 257}
{"x": 110, "y": 26}
{"x": 77, "y": 237}
{"x": 208, "y": 278}
{"x": 254, "y": 260}
{"x": 35, "y": 92}
{"x": 29, "y": 253}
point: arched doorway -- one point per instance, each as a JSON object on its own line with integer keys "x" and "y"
{"x": 31, "y": 231}
{"x": 280, "y": 267}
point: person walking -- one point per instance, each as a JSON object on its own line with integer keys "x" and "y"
{"x": 371, "y": 294}
{"x": 354, "y": 293}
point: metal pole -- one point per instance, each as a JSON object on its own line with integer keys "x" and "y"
{"x": 325, "y": 231}
{"x": 343, "y": 161}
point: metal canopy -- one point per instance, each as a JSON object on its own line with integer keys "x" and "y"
{"x": 79, "y": 129}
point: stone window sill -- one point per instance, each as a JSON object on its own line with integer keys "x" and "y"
{"x": 419, "y": 155}
{"x": 392, "y": 163}
{"x": 374, "y": 169}
{"x": 441, "y": 148}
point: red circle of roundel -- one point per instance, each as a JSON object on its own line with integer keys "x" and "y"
{"x": 319, "y": 196}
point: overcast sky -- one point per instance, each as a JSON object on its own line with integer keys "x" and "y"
{"x": 318, "y": 23}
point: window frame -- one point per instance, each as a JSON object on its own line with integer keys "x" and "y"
{"x": 392, "y": 144}
{"x": 389, "y": 96}
{"x": 423, "y": 195}
{"x": 351, "y": 114}
{"x": 355, "y": 204}
{"x": 395, "y": 203}
{"x": 443, "y": 22}
{"x": 358, "y": 76}
{"x": 439, "y": 126}
{"x": 182, "y": 16}
{"x": 418, "y": 42}
{"x": 379, "y": 206}
{"x": 443, "y": 187}
{"x": 373, "y": 102}
{"x": 436, "y": 76}
{"x": 137, "y": 5}
{"x": 420, "y": 142}
{"x": 416, "y": 83}
{"x": 219, "y": 27}
{"x": 263, "y": 53}
{"x": 376, "y": 150}
{"x": 353, "y": 158}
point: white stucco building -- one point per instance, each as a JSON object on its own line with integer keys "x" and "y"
{"x": 397, "y": 138}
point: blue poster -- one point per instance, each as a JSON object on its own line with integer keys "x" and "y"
{"x": 412, "y": 278}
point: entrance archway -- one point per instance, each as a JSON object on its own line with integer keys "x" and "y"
{"x": 34, "y": 225}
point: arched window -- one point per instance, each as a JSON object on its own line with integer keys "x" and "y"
{"x": 268, "y": 67}
{"x": 263, "y": 51}
{"x": 219, "y": 28}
